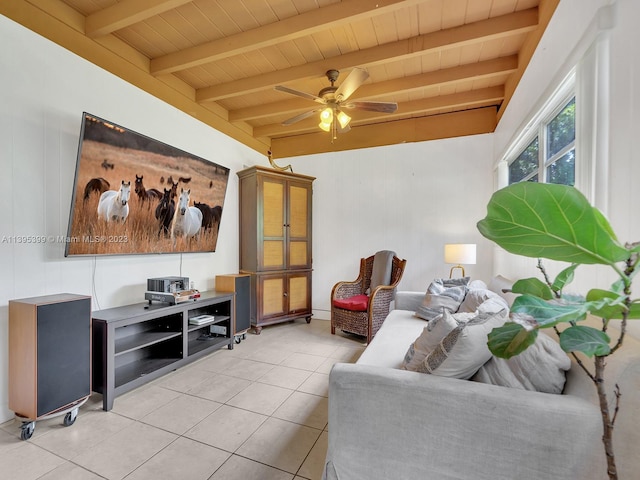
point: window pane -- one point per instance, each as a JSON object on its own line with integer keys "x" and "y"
{"x": 563, "y": 170}
{"x": 561, "y": 131}
{"x": 525, "y": 164}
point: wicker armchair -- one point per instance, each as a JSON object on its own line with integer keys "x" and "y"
{"x": 365, "y": 323}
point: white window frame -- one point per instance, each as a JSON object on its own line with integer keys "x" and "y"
{"x": 589, "y": 63}
{"x": 537, "y": 127}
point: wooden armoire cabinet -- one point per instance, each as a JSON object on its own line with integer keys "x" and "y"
{"x": 275, "y": 243}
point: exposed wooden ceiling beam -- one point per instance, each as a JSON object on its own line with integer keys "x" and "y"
{"x": 447, "y": 76}
{"x": 271, "y": 34}
{"x": 61, "y": 24}
{"x": 460, "y": 101}
{"x": 125, "y": 13}
{"x": 493, "y": 28}
{"x": 448, "y": 125}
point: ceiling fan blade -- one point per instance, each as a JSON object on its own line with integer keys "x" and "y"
{"x": 351, "y": 83}
{"x": 382, "y": 107}
{"x": 302, "y": 116}
{"x": 298, "y": 93}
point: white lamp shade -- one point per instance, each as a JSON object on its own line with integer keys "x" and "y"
{"x": 460, "y": 253}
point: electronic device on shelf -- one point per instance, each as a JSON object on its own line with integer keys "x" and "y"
{"x": 171, "y": 290}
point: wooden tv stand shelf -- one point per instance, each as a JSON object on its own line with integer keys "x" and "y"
{"x": 135, "y": 344}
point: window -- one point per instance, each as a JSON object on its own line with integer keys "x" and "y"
{"x": 550, "y": 155}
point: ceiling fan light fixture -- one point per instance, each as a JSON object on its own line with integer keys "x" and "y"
{"x": 332, "y": 119}
{"x": 326, "y": 115}
{"x": 325, "y": 126}
{"x": 326, "y": 119}
{"x": 343, "y": 119}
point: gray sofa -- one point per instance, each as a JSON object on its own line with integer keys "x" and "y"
{"x": 387, "y": 423}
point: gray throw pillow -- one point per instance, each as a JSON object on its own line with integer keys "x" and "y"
{"x": 540, "y": 368}
{"x": 442, "y": 294}
{"x": 464, "y": 349}
{"x": 431, "y": 336}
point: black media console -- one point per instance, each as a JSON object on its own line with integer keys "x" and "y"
{"x": 135, "y": 344}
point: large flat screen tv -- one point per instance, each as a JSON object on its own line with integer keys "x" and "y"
{"x": 136, "y": 195}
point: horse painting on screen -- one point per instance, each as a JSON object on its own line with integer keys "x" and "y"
{"x": 187, "y": 221}
{"x": 135, "y": 206}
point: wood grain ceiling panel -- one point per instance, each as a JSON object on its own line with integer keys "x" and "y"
{"x": 219, "y": 60}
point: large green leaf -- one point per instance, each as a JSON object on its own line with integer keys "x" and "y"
{"x": 587, "y": 340}
{"x": 548, "y": 313}
{"x": 510, "y": 340}
{"x": 532, "y": 286}
{"x": 550, "y": 221}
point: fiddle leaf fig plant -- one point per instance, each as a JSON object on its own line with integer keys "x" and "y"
{"x": 557, "y": 222}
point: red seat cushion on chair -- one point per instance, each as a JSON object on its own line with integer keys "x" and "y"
{"x": 357, "y": 303}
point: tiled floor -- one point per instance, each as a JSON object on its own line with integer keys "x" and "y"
{"x": 258, "y": 411}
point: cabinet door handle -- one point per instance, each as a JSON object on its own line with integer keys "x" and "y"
{"x": 285, "y": 294}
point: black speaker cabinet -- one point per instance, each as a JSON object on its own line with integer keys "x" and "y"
{"x": 49, "y": 353}
{"x": 241, "y": 285}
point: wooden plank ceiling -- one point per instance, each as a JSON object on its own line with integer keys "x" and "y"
{"x": 451, "y": 65}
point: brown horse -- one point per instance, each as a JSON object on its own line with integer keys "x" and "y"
{"x": 164, "y": 212}
{"x": 210, "y": 215}
{"x": 146, "y": 195}
{"x": 99, "y": 185}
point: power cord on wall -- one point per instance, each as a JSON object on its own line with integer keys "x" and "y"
{"x": 93, "y": 280}
{"x": 93, "y": 283}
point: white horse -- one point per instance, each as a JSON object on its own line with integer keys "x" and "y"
{"x": 187, "y": 220}
{"x": 114, "y": 205}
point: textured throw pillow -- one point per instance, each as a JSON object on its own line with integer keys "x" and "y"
{"x": 482, "y": 297}
{"x": 428, "y": 340}
{"x": 540, "y": 368}
{"x": 464, "y": 349}
{"x": 442, "y": 294}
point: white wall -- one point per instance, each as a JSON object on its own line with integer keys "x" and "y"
{"x": 410, "y": 198}
{"x": 43, "y": 91}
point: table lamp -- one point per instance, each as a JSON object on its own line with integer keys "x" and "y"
{"x": 459, "y": 254}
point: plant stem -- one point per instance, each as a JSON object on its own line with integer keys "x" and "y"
{"x": 607, "y": 423}
{"x": 546, "y": 277}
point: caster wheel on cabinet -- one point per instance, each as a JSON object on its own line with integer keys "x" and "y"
{"x": 27, "y": 429}
{"x": 70, "y": 417}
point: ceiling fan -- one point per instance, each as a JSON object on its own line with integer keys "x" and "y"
{"x": 335, "y": 100}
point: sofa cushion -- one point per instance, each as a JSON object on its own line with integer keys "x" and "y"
{"x": 389, "y": 345}
{"x": 502, "y": 286}
{"x": 357, "y": 303}
{"x": 442, "y": 294}
{"x": 541, "y": 368}
{"x": 464, "y": 349}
